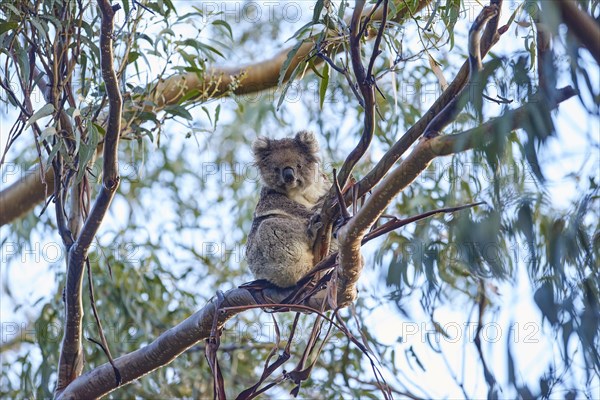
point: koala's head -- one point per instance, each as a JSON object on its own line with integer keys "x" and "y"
{"x": 288, "y": 164}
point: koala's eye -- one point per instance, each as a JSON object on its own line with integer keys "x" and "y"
{"x": 276, "y": 170}
{"x": 299, "y": 166}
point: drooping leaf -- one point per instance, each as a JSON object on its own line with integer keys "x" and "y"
{"x": 324, "y": 82}
{"x": 45, "y": 111}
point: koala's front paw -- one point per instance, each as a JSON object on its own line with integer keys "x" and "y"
{"x": 314, "y": 224}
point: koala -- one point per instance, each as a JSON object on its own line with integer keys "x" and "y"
{"x": 279, "y": 246}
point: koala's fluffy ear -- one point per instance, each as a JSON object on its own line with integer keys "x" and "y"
{"x": 308, "y": 140}
{"x": 260, "y": 146}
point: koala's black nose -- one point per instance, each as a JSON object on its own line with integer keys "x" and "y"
{"x": 288, "y": 174}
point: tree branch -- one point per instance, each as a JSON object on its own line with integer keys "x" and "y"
{"x": 100, "y": 381}
{"x": 582, "y": 25}
{"x": 366, "y": 84}
{"x": 164, "y": 349}
{"x": 455, "y": 106}
{"x": 350, "y": 236}
{"x": 368, "y": 96}
{"x": 19, "y": 198}
{"x": 71, "y": 356}
{"x": 254, "y": 77}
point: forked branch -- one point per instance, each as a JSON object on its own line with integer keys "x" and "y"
{"x": 71, "y": 356}
{"x": 455, "y": 106}
{"x": 490, "y": 37}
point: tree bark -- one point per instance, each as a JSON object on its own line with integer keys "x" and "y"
{"x": 583, "y": 26}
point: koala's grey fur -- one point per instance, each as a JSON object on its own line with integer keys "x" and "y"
{"x": 279, "y": 247}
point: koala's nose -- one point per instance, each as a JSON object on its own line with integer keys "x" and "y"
{"x": 288, "y": 174}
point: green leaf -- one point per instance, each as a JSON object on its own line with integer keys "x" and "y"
{"x": 532, "y": 54}
{"x": 224, "y": 24}
{"x": 323, "y": 85}
{"x": 514, "y": 14}
{"x": 54, "y": 151}
{"x": 313, "y": 68}
{"x": 49, "y": 131}
{"x": 55, "y": 21}
{"x": 201, "y": 47}
{"x": 451, "y": 17}
{"x": 211, "y": 49}
{"x": 126, "y": 7}
{"x": 207, "y": 113}
{"x": 299, "y": 31}
{"x": 544, "y": 299}
{"x": 288, "y": 61}
{"x": 48, "y": 109}
{"x": 100, "y": 129}
{"x": 431, "y": 17}
{"x": 8, "y": 26}
{"x": 317, "y": 11}
{"x": 77, "y": 139}
{"x": 192, "y": 93}
{"x": 41, "y": 28}
{"x": 12, "y": 8}
{"x": 179, "y": 111}
{"x": 132, "y": 57}
{"x": 88, "y": 149}
{"x": 170, "y": 6}
{"x": 288, "y": 84}
{"x": 217, "y": 113}
{"x": 143, "y": 36}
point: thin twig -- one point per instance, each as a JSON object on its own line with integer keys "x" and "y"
{"x": 331, "y": 62}
{"x": 489, "y": 377}
{"x": 398, "y": 223}
{"x": 377, "y": 43}
{"x": 103, "y": 343}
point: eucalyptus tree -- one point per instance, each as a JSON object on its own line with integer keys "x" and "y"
{"x": 128, "y": 190}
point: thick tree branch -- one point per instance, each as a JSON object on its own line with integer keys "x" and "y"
{"x": 71, "y": 356}
{"x": 350, "y": 237}
{"x": 100, "y": 381}
{"x": 366, "y": 85}
{"x": 218, "y": 82}
{"x": 582, "y": 25}
{"x": 164, "y": 349}
{"x": 19, "y": 198}
{"x": 350, "y": 240}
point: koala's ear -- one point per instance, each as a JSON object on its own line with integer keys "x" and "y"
{"x": 260, "y": 146}
{"x": 308, "y": 140}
